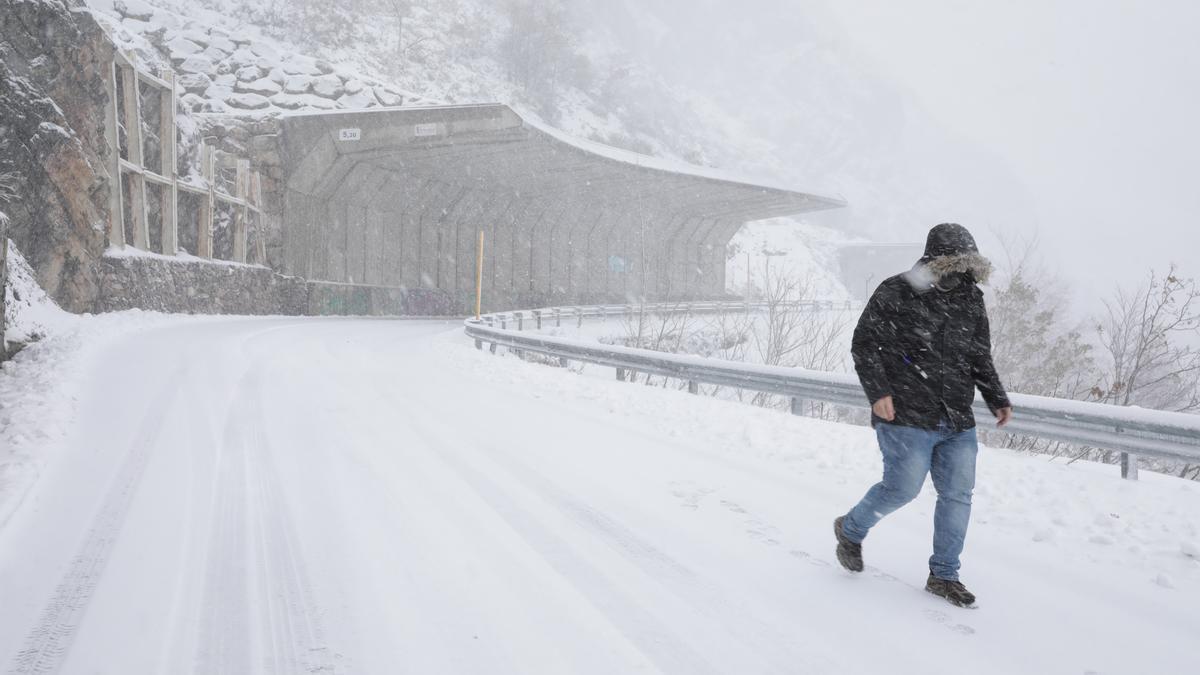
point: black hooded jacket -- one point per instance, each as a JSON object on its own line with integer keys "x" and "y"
{"x": 924, "y": 338}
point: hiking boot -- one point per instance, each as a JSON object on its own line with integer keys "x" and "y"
{"x": 849, "y": 553}
{"x": 950, "y": 589}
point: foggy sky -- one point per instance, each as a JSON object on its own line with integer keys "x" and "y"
{"x": 1094, "y": 104}
{"x": 1090, "y": 107}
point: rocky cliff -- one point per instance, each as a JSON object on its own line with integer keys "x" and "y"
{"x": 53, "y": 55}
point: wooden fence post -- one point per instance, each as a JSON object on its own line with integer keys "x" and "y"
{"x": 116, "y": 202}
{"x": 204, "y": 237}
{"x": 133, "y": 143}
{"x": 260, "y": 222}
{"x": 170, "y": 193}
{"x": 240, "y": 211}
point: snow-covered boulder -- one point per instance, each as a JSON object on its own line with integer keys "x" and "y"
{"x": 225, "y": 80}
{"x": 192, "y": 101}
{"x": 197, "y": 35}
{"x": 196, "y": 64}
{"x": 249, "y": 73}
{"x": 302, "y": 101}
{"x": 353, "y": 86}
{"x": 212, "y": 105}
{"x": 329, "y": 86}
{"x": 265, "y": 49}
{"x": 218, "y": 93}
{"x": 244, "y": 57}
{"x": 216, "y": 55}
{"x": 297, "y": 85}
{"x": 248, "y": 101}
{"x": 181, "y": 47}
{"x": 387, "y": 97}
{"x": 360, "y": 99}
{"x": 134, "y": 9}
{"x": 298, "y": 65}
{"x": 195, "y": 82}
{"x": 222, "y": 42}
{"x": 261, "y": 86}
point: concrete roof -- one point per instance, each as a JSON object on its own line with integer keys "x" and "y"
{"x": 493, "y": 149}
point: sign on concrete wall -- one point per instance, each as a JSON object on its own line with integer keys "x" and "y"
{"x": 422, "y": 130}
{"x": 349, "y": 134}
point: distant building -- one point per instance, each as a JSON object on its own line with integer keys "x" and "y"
{"x": 864, "y": 266}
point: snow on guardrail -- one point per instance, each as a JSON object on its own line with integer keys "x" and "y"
{"x": 1130, "y": 430}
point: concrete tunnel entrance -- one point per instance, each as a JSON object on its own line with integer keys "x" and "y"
{"x": 395, "y": 198}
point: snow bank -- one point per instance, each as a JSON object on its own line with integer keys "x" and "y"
{"x": 39, "y": 386}
{"x": 30, "y": 314}
{"x": 1081, "y": 512}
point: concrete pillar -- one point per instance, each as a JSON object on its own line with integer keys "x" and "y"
{"x": 577, "y": 272}
{"x": 430, "y": 216}
{"x": 494, "y": 225}
{"x": 521, "y": 261}
{"x": 711, "y": 255}
{"x": 479, "y": 218}
{"x": 502, "y": 250}
{"x": 541, "y": 253}
{"x": 683, "y": 257}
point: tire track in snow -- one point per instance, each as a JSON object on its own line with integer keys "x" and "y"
{"x": 641, "y": 627}
{"x": 255, "y": 554}
{"x": 48, "y": 643}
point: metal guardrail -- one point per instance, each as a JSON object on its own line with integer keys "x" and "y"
{"x": 1131, "y": 431}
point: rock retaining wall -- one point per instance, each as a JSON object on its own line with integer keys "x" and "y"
{"x": 182, "y": 285}
{"x": 196, "y": 287}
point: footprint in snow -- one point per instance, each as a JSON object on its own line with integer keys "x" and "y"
{"x": 940, "y": 617}
{"x": 736, "y": 508}
{"x": 807, "y": 557}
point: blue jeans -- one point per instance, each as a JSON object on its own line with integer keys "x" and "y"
{"x": 909, "y": 454}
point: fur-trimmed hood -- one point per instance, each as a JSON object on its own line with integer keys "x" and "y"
{"x": 975, "y": 264}
{"x": 927, "y": 272}
{"x": 949, "y": 249}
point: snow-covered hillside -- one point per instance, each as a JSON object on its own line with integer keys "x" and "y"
{"x": 238, "y": 57}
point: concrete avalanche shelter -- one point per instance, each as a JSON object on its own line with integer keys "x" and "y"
{"x": 396, "y": 197}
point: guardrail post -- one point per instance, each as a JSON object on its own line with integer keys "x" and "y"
{"x": 1129, "y": 466}
{"x": 620, "y": 374}
{"x": 579, "y": 317}
{"x": 478, "y": 344}
{"x": 693, "y": 387}
{"x": 537, "y": 316}
{"x": 557, "y": 317}
{"x": 797, "y": 405}
{"x": 520, "y": 320}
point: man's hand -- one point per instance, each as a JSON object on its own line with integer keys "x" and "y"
{"x": 1003, "y": 415}
{"x": 884, "y": 409}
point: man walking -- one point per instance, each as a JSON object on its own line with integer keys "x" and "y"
{"x": 921, "y": 348}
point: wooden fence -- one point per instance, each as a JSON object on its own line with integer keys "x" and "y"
{"x": 130, "y": 222}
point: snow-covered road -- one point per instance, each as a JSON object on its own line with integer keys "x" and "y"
{"x": 371, "y": 496}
